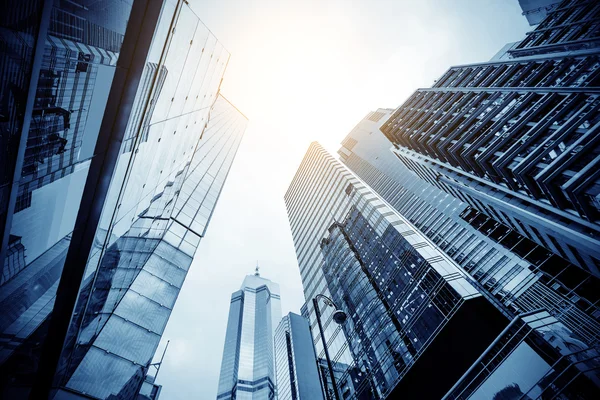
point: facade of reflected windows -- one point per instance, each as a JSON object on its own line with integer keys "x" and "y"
{"x": 295, "y": 360}
{"x": 409, "y": 306}
{"x": 347, "y": 379}
{"x": 534, "y": 357}
{"x": 515, "y": 273}
{"x": 118, "y": 148}
{"x": 518, "y": 139}
{"x": 482, "y": 164}
{"x": 248, "y": 364}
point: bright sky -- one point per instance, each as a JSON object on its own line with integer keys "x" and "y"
{"x": 304, "y": 70}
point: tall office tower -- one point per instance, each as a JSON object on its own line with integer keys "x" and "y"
{"x": 248, "y": 364}
{"x": 516, "y": 274}
{"x": 295, "y": 360}
{"x": 512, "y": 271}
{"x": 412, "y": 313}
{"x": 518, "y": 140}
{"x": 120, "y": 144}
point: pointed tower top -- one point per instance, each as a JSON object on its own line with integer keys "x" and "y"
{"x": 256, "y": 273}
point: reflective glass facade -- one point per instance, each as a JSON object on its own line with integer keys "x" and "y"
{"x": 405, "y": 300}
{"x": 134, "y": 169}
{"x": 55, "y": 83}
{"x": 51, "y": 111}
{"x": 535, "y": 357}
{"x": 295, "y": 360}
{"x": 515, "y": 273}
{"x": 518, "y": 139}
{"x": 248, "y": 364}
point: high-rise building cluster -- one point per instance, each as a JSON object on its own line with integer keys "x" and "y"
{"x": 451, "y": 251}
{"x": 266, "y": 356}
{"x": 459, "y": 233}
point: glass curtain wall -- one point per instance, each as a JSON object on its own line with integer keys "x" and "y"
{"x": 179, "y": 143}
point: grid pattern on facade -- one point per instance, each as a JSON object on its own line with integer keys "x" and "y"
{"x": 321, "y": 193}
{"x": 570, "y": 25}
{"x": 395, "y": 300}
{"x": 180, "y": 130}
{"x": 248, "y": 363}
{"x": 287, "y": 388}
{"x": 479, "y": 244}
{"x": 519, "y": 137}
{"x": 156, "y": 253}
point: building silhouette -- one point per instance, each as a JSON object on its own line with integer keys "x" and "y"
{"x": 512, "y": 271}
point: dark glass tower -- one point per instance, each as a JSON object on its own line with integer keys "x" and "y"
{"x": 412, "y": 313}
{"x": 119, "y": 144}
{"x": 518, "y": 139}
{"x": 420, "y": 180}
{"x": 515, "y": 273}
{"x": 518, "y": 276}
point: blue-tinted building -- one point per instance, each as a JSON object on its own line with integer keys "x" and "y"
{"x": 515, "y": 273}
{"x": 347, "y": 379}
{"x": 295, "y": 360}
{"x": 536, "y": 10}
{"x": 518, "y": 139}
{"x": 120, "y": 144}
{"x": 454, "y": 164}
{"x": 412, "y": 312}
{"x": 248, "y": 364}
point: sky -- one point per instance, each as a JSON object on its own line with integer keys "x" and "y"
{"x": 303, "y": 71}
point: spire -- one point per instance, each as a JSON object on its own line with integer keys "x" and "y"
{"x": 256, "y": 273}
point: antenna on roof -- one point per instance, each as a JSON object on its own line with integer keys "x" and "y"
{"x": 256, "y": 270}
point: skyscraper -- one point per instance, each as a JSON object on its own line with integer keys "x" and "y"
{"x": 248, "y": 364}
{"x": 512, "y": 271}
{"x": 412, "y": 313}
{"x": 295, "y": 360}
{"x": 423, "y": 178}
{"x": 109, "y": 188}
{"x": 518, "y": 282}
{"x": 518, "y": 139}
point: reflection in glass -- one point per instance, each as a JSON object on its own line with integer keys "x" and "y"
{"x": 177, "y": 148}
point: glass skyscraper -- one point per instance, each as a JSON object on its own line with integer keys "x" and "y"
{"x": 515, "y": 254}
{"x": 518, "y": 139}
{"x": 248, "y": 364}
{"x": 412, "y": 312}
{"x": 295, "y": 360}
{"x": 517, "y": 282}
{"x": 107, "y": 188}
{"x": 512, "y": 271}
